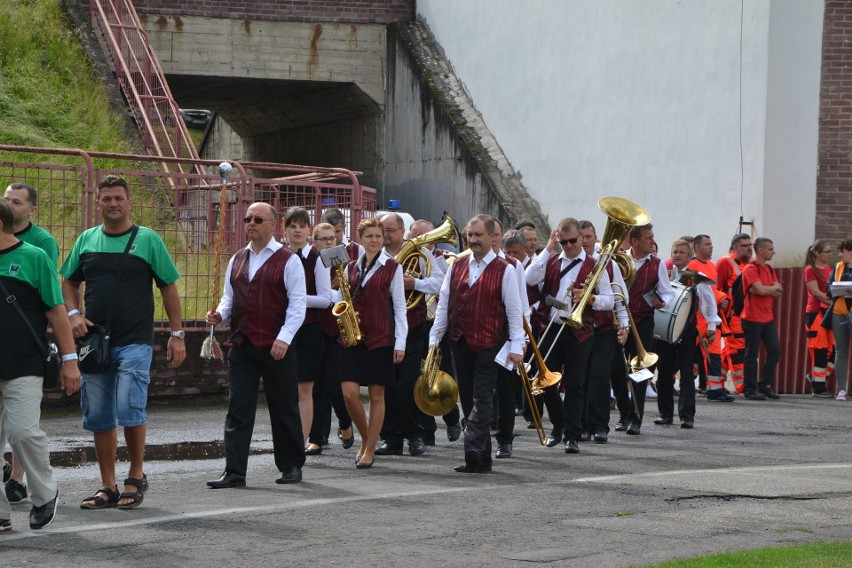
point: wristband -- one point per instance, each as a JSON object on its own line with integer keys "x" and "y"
{"x": 73, "y": 312}
{"x": 69, "y": 357}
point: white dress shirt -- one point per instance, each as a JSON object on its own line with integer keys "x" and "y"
{"x": 509, "y": 294}
{"x": 618, "y": 285}
{"x": 397, "y": 290}
{"x": 431, "y": 285}
{"x": 664, "y": 288}
{"x": 521, "y": 279}
{"x": 294, "y": 288}
{"x": 322, "y": 280}
{"x": 603, "y": 292}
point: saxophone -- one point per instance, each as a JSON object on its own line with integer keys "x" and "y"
{"x": 344, "y": 311}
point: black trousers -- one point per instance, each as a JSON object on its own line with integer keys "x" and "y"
{"x": 246, "y": 366}
{"x": 403, "y": 419}
{"x": 626, "y": 409}
{"x": 755, "y": 334}
{"x": 477, "y": 375}
{"x": 674, "y": 358}
{"x": 506, "y": 381}
{"x": 596, "y": 415}
{"x": 570, "y": 357}
{"x": 327, "y": 394}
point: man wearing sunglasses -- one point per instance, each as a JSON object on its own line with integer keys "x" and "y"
{"x": 733, "y": 344}
{"x": 264, "y": 299}
{"x": 650, "y": 290}
{"x": 563, "y": 278}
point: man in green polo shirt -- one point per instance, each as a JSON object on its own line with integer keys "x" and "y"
{"x": 30, "y": 280}
{"x": 23, "y": 199}
{"x": 118, "y": 396}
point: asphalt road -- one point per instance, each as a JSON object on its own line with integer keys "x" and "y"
{"x": 750, "y": 474}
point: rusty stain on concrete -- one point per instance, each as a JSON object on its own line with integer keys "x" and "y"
{"x": 353, "y": 36}
{"x": 314, "y": 57}
{"x": 162, "y": 23}
{"x": 178, "y": 24}
{"x": 247, "y": 27}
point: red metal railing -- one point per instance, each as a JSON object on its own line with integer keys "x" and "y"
{"x": 180, "y": 202}
{"x": 142, "y": 81}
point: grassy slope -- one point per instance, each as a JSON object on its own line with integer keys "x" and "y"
{"x": 49, "y": 96}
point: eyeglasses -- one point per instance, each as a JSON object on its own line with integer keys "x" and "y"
{"x": 255, "y": 219}
{"x": 389, "y": 231}
{"x": 573, "y": 241}
{"x": 325, "y": 239}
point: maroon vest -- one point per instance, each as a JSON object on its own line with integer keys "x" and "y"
{"x": 260, "y": 306}
{"x": 645, "y": 281}
{"x": 328, "y": 323}
{"x": 550, "y": 287}
{"x": 309, "y": 264}
{"x": 374, "y": 303}
{"x": 604, "y": 318}
{"x": 478, "y": 313}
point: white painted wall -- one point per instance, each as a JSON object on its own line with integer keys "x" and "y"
{"x": 645, "y": 100}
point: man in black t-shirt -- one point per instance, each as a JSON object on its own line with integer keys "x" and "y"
{"x": 32, "y": 294}
{"x": 118, "y": 396}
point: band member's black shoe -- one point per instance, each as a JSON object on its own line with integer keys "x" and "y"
{"x": 601, "y": 438}
{"x": 633, "y": 429}
{"x": 621, "y": 426}
{"x": 687, "y": 424}
{"x": 663, "y": 421}
{"x": 387, "y": 450}
{"x": 454, "y": 432}
{"x": 554, "y": 439}
{"x": 227, "y": 481}
{"x": 416, "y": 446}
{"x": 571, "y": 447}
{"x": 504, "y": 450}
{"x": 473, "y": 464}
{"x": 585, "y": 437}
{"x": 292, "y": 475}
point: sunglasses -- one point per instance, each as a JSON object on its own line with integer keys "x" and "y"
{"x": 257, "y": 220}
{"x": 573, "y": 241}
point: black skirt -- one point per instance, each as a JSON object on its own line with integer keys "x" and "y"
{"x": 308, "y": 345}
{"x": 361, "y": 365}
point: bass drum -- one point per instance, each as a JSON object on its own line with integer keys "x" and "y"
{"x": 670, "y": 321}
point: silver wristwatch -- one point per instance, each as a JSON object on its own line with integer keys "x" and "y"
{"x": 179, "y": 334}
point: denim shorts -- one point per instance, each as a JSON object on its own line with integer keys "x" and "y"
{"x": 118, "y": 397}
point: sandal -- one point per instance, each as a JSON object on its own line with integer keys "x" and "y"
{"x": 99, "y": 502}
{"x": 137, "y": 496}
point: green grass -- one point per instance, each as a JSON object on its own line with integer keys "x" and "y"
{"x": 816, "y": 555}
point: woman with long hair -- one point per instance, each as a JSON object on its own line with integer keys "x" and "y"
{"x": 384, "y": 328}
{"x": 840, "y": 309}
{"x": 820, "y": 339}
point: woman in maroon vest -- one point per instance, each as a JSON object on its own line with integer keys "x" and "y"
{"x": 308, "y": 342}
{"x": 384, "y": 328}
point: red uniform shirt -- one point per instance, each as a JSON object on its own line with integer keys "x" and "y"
{"x": 821, "y": 280}
{"x": 757, "y": 308}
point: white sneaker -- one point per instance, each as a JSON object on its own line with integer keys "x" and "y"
{"x": 841, "y": 395}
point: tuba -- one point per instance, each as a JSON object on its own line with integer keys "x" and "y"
{"x": 622, "y": 214}
{"x": 344, "y": 311}
{"x": 409, "y": 255}
{"x": 435, "y": 392}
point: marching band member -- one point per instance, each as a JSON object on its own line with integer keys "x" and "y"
{"x": 308, "y": 342}
{"x": 403, "y": 419}
{"x": 606, "y": 342}
{"x": 650, "y": 290}
{"x": 562, "y": 276}
{"x": 384, "y": 327}
{"x": 478, "y": 303}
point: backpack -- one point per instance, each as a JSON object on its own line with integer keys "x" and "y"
{"x": 737, "y": 291}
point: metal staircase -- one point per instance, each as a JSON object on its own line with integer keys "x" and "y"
{"x": 142, "y": 82}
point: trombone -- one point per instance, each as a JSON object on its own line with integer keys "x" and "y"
{"x": 531, "y": 391}
{"x": 643, "y": 358}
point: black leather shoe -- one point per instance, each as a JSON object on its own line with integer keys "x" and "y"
{"x": 364, "y": 465}
{"x": 585, "y": 437}
{"x": 633, "y": 429}
{"x": 504, "y": 450}
{"x": 464, "y": 468}
{"x": 554, "y": 439}
{"x": 687, "y": 424}
{"x": 621, "y": 426}
{"x": 600, "y": 438}
{"x": 754, "y": 396}
{"x": 43, "y": 515}
{"x": 454, "y": 432}
{"x": 769, "y": 393}
{"x": 227, "y": 481}
{"x": 315, "y": 451}
{"x": 571, "y": 447}
{"x": 387, "y": 450}
{"x": 416, "y": 447}
{"x": 292, "y": 475}
{"x": 348, "y": 442}
{"x": 663, "y": 421}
